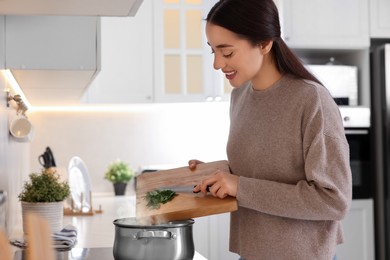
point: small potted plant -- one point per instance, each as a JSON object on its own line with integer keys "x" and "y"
{"x": 119, "y": 173}
{"x": 44, "y": 194}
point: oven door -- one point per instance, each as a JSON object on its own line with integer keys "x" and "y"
{"x": 361, "y": 162}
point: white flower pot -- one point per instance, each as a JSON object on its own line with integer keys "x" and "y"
{"x": 53, "y": 212}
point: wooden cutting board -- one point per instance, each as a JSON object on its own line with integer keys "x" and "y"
{"x": 186, "y": 204}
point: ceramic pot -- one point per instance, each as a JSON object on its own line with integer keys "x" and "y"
{"x": 53, "y": 212}
{"x": 120, "y": 188}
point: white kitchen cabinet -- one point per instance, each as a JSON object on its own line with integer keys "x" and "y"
{"x": 211, "y": 237}
{"x": 183, "y": 61}
{"x": 2, "y": 42}
{"x": 51, "y": 42}
{"x": 211, "y": 234}
{"x": 126, "y": 74}
{"x": 359, "y": 232}
{"x": 53, "y": 58}
{"x": 331, "y": 24}
{"x": 379, "y": 19}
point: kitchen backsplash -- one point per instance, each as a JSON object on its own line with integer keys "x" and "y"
{"x": 141, "y": 135}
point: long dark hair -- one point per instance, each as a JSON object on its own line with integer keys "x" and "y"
{"x": 258, "y": 21}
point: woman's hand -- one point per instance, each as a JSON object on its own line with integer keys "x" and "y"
{"x": 192, "y": 163}
{"x": 220, "y": 184}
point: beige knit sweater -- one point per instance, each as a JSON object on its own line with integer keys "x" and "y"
{"x": 288, "y": 146}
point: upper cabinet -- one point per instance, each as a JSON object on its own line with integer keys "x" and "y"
{"x": 183, "y": 61}
{"x": 2, "y": 42}
{"x": 380, "y": 18}
{"x": 51, "y": 42}
{"x": 53, "y": 58}
{"x": 331, "y": 24}
{"x": 161, "y": 55}
{"x": 126, "y": 75}
{"x": 70, "y": 7}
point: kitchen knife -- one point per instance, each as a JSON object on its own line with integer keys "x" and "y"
{"x": 188, "y": 188}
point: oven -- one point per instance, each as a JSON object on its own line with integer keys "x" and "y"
{"x": 356, "y": 122}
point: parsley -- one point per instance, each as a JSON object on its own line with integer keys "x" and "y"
{"x": 157, "y": 197}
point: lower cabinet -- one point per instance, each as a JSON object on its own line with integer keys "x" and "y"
{"x": 359, "y": 232}
{"x": 211, "y": 237}
{"x": 211, "y": 234}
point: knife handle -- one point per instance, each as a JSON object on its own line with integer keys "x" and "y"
{"x": 207, "y": 189}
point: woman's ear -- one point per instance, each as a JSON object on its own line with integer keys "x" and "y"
{"x": 266, "y": 46}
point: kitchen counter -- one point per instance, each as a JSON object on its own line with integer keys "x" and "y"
{"x": 87, "y": 254}
{"x": 98, "y": 231}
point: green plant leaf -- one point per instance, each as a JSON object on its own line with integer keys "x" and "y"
{"x": 44, "y": 187}
{"x": 157, "y": 197}
{"x": 118, "y": 172}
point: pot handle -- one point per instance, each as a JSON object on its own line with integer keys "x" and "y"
{"x": 155, "y": 234}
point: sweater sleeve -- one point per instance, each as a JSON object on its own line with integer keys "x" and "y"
{"x": 324, "y": 195}
{"x": 326, "y": 191}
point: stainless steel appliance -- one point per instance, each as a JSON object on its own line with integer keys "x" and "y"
{"x": 3, "y": 211}
{"x": 356, "y": 122}
{"x": 380, "y": 107}
{"x": 340, "y": 80}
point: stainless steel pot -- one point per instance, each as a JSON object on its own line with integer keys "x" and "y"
{"x": 168, "y": 241}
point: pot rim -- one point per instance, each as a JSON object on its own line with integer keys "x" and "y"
{"x": 132, "y": 223}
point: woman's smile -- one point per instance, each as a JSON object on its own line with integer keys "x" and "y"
{"x": 230, "y": 75}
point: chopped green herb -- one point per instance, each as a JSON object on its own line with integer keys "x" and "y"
{"x": 157, "y": 197}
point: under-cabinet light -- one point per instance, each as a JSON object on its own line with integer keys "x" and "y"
{"x": 13, "y": 84}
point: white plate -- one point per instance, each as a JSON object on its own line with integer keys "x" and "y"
{"x": 80, "y": 185}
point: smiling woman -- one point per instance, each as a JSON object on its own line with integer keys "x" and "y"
{"x": 297, "y": 182}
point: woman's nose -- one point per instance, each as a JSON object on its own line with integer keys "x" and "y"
{"x": 218, "y": 63}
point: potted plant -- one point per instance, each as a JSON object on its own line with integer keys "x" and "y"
{"x": 44, "y": 194}
{"x": 119, "y": 173}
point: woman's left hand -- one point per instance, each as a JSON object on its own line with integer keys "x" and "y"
{"x": 221, "y": 184}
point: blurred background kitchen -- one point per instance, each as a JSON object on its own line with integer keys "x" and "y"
{"x": 141, "y": 88}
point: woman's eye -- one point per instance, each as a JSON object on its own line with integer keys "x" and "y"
{"x": 227, "y": 55}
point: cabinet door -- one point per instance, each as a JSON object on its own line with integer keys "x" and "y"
{"x": 327, "y": 24}
{"x": 183, "y": 63}
{"x": 126, "y": 75}
{"x": 51, "y": 42}
{"x": 359, "y": 232}
{"x": 380, "y": 18}
{"x": 2, "y": 42}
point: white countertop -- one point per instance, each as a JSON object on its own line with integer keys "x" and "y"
{"x": 98, "y": 230}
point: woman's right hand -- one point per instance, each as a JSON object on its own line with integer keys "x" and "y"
{"x": 192, "y": 163}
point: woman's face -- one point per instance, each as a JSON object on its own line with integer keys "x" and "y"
{"x": 238, "y": 59}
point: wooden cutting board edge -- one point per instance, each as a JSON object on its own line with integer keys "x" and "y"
{"x": 228, "y": 204}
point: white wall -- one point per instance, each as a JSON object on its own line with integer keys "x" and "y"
{"x": 14, "y": 162}
{"x": 154, "y": 134}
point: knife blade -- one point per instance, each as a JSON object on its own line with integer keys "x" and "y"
{"x": 187, "y": 188}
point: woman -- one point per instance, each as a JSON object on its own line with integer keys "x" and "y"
{"x": 287, "y": 151}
